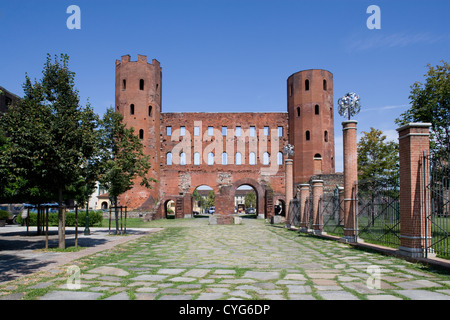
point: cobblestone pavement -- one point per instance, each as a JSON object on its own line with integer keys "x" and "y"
{"x": 191, "y": 260}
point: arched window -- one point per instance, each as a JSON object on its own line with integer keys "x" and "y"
{"x": 132, "y": 109}
{"x": 150, "y": 111}
{"x": 280, "y": 158}
{"x": 316, "y": 109}
{"x": 306, "y": 85}
{"x": 169, "y": 158}
{"x": 252, "y": 158}
{"x": 197, "y": 159}
{"x": 317, "y": 156}
{"x": 266, "y": 158}
{"x": 210, "y": 159}
{"x": 308, "y": 136}
{"x": 224, "y": 158}
{"x": 325, "y": 136}
{"x": 183, "y": 158}
{"x": 238, "y": 159}
{"x": 141, "y": 84}
{"x": 141, "y": 134}
{"x": 298, "y": 111}
{"x": 324, "y": 85}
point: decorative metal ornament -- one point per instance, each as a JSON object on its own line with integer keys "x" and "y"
{"x": 288, "y": 150}
{"x": 349, "y": 105}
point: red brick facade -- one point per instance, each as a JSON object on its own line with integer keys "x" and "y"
{"x": 224, "y": 150}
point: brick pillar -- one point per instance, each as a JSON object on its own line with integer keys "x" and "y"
{"x": 317, "y": 193}
{"x": 350, "y": 180}
{"x": 289, "y": 185}
{"x": 303, "y": 195}
{"x": 413, "y": 141}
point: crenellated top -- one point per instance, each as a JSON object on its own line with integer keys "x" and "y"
{"x": 141, "y": 59}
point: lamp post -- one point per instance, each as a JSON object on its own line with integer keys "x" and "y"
{"x": 349, "y": 105}
{"x": 87, "y": 231}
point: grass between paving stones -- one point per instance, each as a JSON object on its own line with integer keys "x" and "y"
{"x": 168, "y": 249}
{"x": 396, "y": 266}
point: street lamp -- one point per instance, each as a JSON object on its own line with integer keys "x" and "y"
{"x": 349, "y": 105}
{"x": 87, "y": 231}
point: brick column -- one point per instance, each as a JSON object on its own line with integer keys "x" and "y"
{"x": 303, "y": 195}
{"x": 317, "y": 193}
{"x": 289, "y": 187}
{"x": 413, "y": 141}
{"x": 350, "y": 180}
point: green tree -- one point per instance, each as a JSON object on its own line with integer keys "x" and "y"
{"x": 123, "y": 158}
{"x": 210, "y": 199}
{"x": 377, "y": 161}
{"x": 51, "y": 138}
{"x": 250, "y": 199}
{"x": 430, "y": 102}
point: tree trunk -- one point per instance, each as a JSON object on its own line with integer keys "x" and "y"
{"x": 116, "y": 214}
{"x": 61, "y": 222}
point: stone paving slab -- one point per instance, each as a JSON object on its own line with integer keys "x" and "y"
{"x": 197, "y": 261}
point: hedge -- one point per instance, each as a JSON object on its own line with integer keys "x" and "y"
{"x": 95, "y": 219}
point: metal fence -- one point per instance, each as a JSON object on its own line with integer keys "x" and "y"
{"x": 436, "y": 177}
{"x": 332, "y": 210}
{"x": 379, "y": 211}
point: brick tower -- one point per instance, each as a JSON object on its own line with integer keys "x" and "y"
{"x": 311, "y": 123}
{"x": 138, "y": 99}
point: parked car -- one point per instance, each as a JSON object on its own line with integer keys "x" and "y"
{"x": 250, "y": 211}
{"x": 212, "y": 210}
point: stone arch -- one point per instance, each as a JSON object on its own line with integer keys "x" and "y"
{"x": 260, "y": 191}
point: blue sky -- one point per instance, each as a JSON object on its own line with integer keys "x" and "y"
{"x": 234, "y": 56}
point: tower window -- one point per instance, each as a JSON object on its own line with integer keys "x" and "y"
{"x": 308, "y": 136}
{"x": 324, "y": 85}
{"x": 169, "y": 158}
{"x": 252, "y": 158}
{"x": 169, "y": 131}
{"x": 132, "y": 109}
{"x": 224, "y": 158}
{"x": 124, "y": 84}
{"x": 150, "y": 111}
{"x": 197, "y": 158}
{"x": 280, "y": 131}
{"x": 298, "y": 111}
{"x": 291, "y": 89}
{"x": 280, "y": 158}
{"x": 238, "y": 159}
{"x": 210, "y": 159}
{"x": 183, "y": 158}
{"x": 266, "y": 158}
{"x": 141, "y": 84}
{"x": 326, "y": 136}
{"x": 306, "y": 85}
{"x": 316, "y": 109}
{"x": 317, "y": 156}
{"x": 141, "y": 134}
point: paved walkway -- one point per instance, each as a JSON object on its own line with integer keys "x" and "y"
{"x": 191, "y": 260}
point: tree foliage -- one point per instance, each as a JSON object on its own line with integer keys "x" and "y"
{"x": 123, "y": 158}
{"x": 378, "y": 161}
{"x": 430, "y": 102}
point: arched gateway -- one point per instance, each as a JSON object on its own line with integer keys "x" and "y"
{"x": 224, "y": 150}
